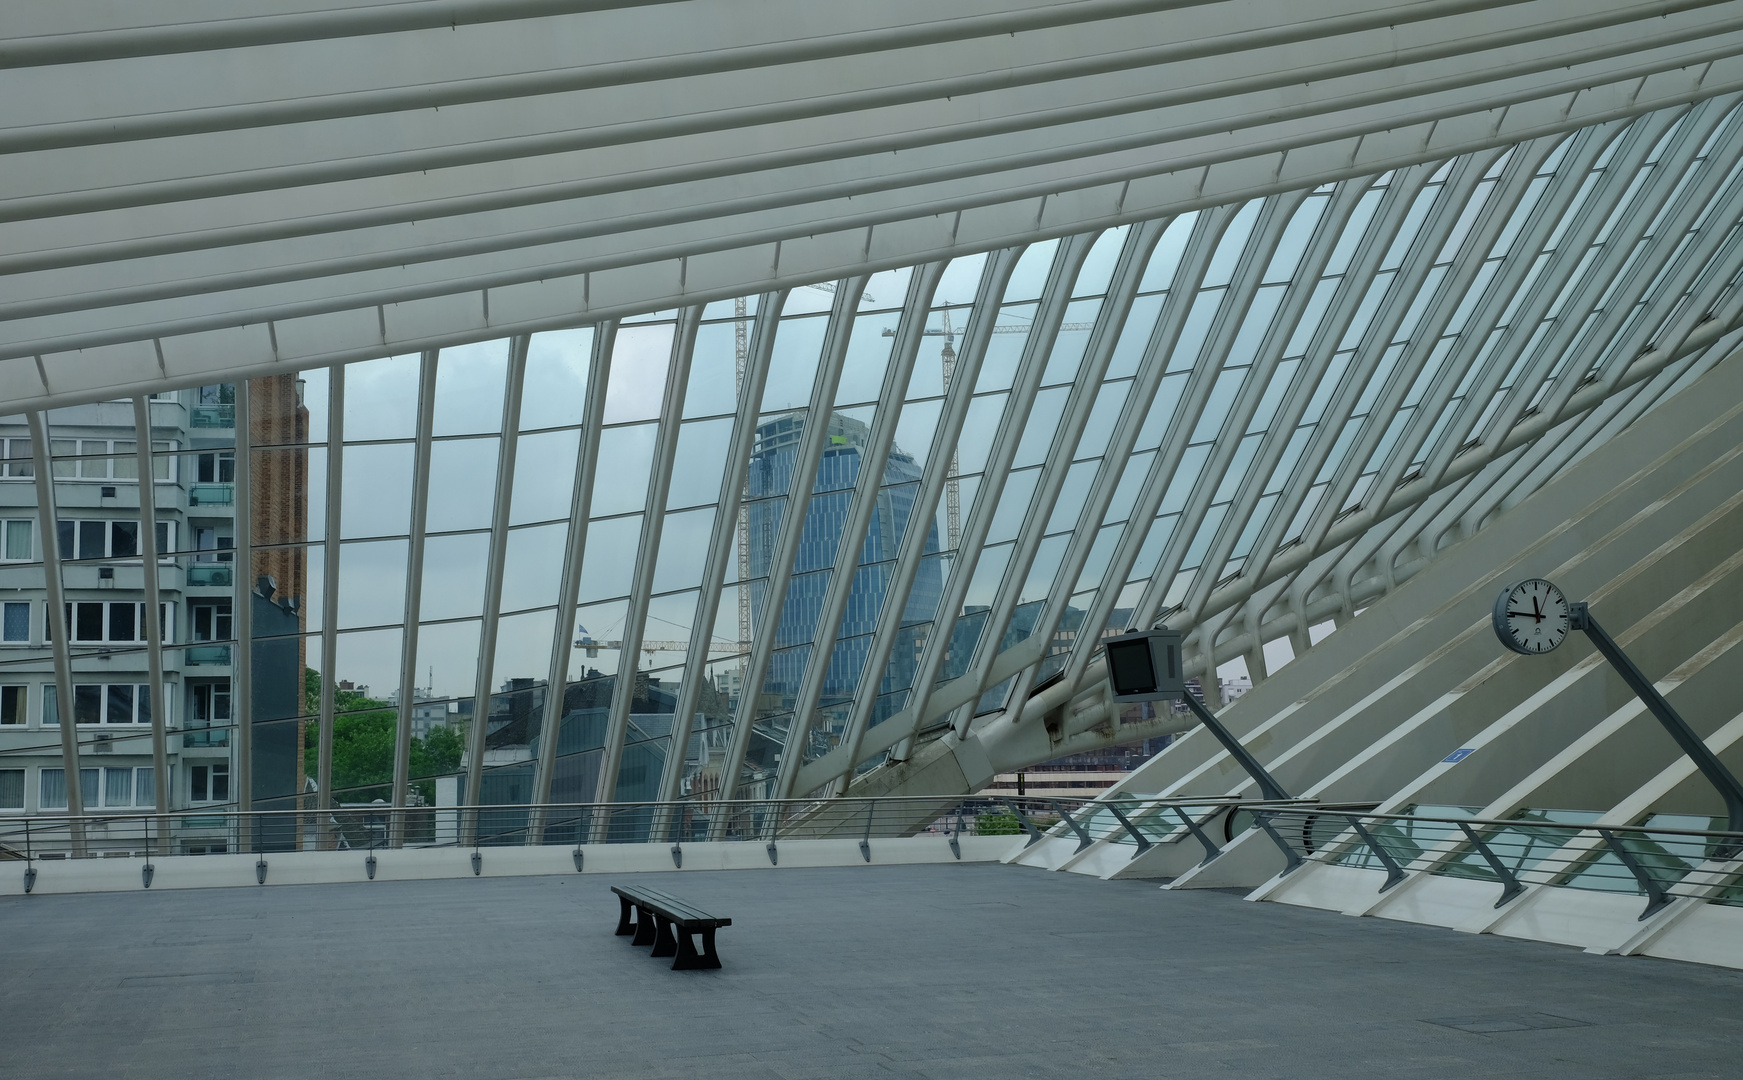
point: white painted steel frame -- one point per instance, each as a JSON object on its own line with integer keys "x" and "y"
{"x": 48, "y": 532}
{"x": 517, "y": 361}
{"x": 414, "y": 586}
{"x": 967, "y": 169}
{"x": 780, "y": 567}
{"x": 574, "y": 555}
{"x": 330, "y": 563}
{"x": 648, "y": 547}
{"x": 242, "y": 617}
{"x": 983, "y": 316}
{"x": 874, "y": 457}
{"x": 148, "y": 569}
{"x": 1331, "y": 570}
{"x": 722, "y": 540}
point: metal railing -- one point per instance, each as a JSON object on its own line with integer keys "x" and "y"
{"x": 224, "y": 829}
{"x": 1137, "y": 823}
{"x": 1661, "y": 863}
{"x": 211, "y": 494}
{"x": 217, "y": 574}
{"x": 212, "y": 416}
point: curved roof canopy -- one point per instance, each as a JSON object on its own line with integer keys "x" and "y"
{"x": 1123, "y": 310}
{"x": 194, "y": 186}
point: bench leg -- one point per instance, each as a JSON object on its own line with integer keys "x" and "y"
{"x": 624, "y": 924}
{"x": 644, "y": 927}
{"x": 688, "y": 958}
{"x": 664, "y": 943}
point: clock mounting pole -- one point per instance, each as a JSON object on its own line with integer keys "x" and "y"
{"x": 1580, "y": 618}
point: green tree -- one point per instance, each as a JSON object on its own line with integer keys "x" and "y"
{"x": 363, "y": 738}
{"x": 1003, "y": 823}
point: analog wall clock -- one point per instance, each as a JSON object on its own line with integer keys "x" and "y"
{"x": 1531, "y": 617}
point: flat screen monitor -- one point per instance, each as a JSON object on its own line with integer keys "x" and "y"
{"x": 1145, "y": 666}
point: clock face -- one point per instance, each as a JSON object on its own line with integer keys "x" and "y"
{"x": 1531, "y": 617}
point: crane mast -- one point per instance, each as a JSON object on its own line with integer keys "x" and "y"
{"x": 740, "y": 340}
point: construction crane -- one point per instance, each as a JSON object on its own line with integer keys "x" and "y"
{"x": 953, "y": 486}
{"x": 650, "y": 647}
{"x": 829, "y": 287}
{"x": 741, "y": 349}
{"x": 741, "y": 342}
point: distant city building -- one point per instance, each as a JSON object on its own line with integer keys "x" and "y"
{"x": 771, "y": 470}
{"x": 96, "y": 489}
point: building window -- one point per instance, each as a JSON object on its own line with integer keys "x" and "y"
{"x": 213, "y": 546}
{"x": 126, "y": 788}
{"x": 101, "y": 703}
{"x": 98, "y": 539}
{"x": 12, "y": 701}
{"x": 15, "y": 621}
{"x": 11, "y": 789}
{"x": 54, "y": 788}
{"x": 94, "y": 459}
{"x": 209, "y": 783}
{"x": 114, "y": 621}
{"x": 15, "y": 458}
{"x": 215, "y": 467}
{"x": 17, "y": 546}
{"x": 211, "y": 705}
{"x": 211, "y": 620}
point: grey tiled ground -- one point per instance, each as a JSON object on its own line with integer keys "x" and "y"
{"x": 941, "y": 971}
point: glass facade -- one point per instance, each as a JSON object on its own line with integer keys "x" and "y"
{"x": 750, "y": 546}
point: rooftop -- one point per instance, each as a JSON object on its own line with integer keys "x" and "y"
{"x": 886, "y": 971}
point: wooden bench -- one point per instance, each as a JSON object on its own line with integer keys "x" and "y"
{"x": 657, "y": 915}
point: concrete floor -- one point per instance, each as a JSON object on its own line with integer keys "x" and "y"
{"x": 926, "y": 971}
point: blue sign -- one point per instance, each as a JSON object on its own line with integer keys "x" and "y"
{"x": 1459, "y": 755}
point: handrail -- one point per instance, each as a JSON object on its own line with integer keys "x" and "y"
{"x": 1662, "y": 875}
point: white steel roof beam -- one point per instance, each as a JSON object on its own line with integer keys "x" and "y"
{"x": 799, "y": 489}
{"x": 1092, "y": 365}
{"x": 647, "y": 551}
{"x": 722, "y": 541}
{"x": 1511, "y": 187}
{"x": 1110, "y": 326}
{"x": 1232, "y": 315}
{"x": 1520, "y": 271}
{"x": 1388, "y": 219}
{"x": 331, "y": 555}
{"x": 574, "y": 555}
{"x": 870, "y": 482}
{"x": 1037, "y": 347}
{"x": 110, "y": 282}
{"x": 148, "y": 562}
{"x": 48, "y": 543}
{"x": 1110, "y": 166}
{"x": 1327, "y": 233}
{"x": 1672, "y": 181}
{"x": 1201, "y": 247}
{"x": 1704, "y": 335}
{"x": 1517, "y": 176}
{"x": 493, "y": 574}
{"x": 1401, "y": 296}
{"x": 414, "y": 588}
{"x": 839, "y": 764}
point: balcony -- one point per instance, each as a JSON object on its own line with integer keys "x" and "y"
{"x": 205, "y": 737}
{"x": 211, "y": 574}
{"x": 212, "y": 416}
{"x": 211, "y": 494}
{"x": 195, "y": 655}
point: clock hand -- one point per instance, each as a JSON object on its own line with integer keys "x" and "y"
{"x": 1537, "y": 609}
